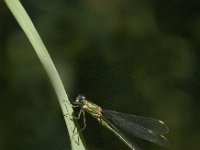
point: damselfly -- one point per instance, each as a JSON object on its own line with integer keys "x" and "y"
{"x": 142, "y": 127}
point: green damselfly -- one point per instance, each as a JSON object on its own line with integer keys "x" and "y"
{"x": 142, "y": 127}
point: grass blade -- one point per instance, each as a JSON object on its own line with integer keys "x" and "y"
{"x": 26, "y": 24}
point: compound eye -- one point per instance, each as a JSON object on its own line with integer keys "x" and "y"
{"x": 80, "y": 98}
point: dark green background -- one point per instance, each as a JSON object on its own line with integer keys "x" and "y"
{"x": 133, "y": 56}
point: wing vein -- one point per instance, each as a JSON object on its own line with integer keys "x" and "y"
{"x": 141, "y": 127}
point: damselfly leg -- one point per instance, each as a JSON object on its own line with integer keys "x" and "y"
{"x": 75, "y": 130}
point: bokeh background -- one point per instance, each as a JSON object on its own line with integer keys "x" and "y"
{"x": 134, "y": 56}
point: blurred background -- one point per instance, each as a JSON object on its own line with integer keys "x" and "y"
{"x": 133, "y": 56}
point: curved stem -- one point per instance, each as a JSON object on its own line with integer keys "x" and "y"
{"x": 26, "y": 24}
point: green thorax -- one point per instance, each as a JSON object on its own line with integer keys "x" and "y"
{"x": 92, "y": 108}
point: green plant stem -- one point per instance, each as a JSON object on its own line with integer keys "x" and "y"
{"x": 26, "y": 24}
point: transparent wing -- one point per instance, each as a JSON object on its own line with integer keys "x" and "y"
{"x": 132, "y": 145}
{"x": 143, "y": 127}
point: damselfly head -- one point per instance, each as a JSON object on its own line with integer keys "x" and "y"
{"x": 80, "y": 98}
